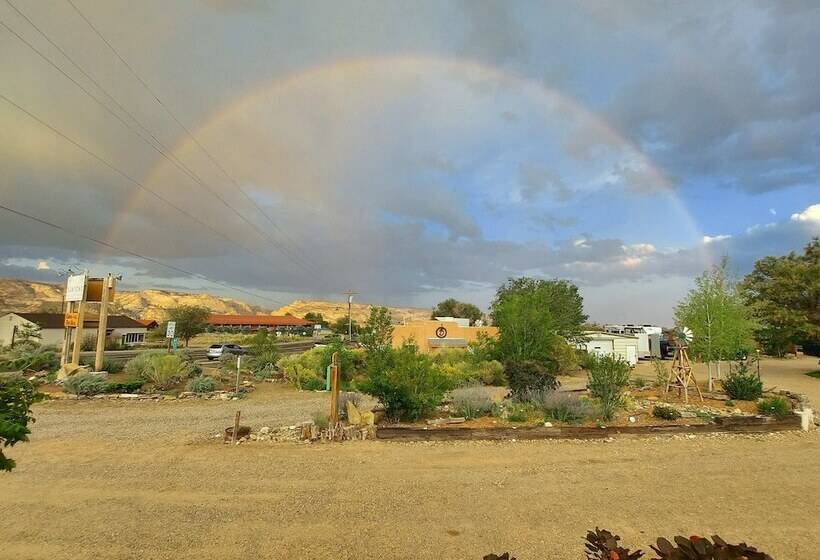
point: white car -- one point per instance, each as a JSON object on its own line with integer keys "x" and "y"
{"x": 215, "y": 351}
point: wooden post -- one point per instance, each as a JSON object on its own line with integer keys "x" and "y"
{"x": 102, "y": 326}
{"x": 235, "y": 428}
{"x": 78, "y": 331}
{"x": 334, "y": 389}
{"x": 238, "y": 366}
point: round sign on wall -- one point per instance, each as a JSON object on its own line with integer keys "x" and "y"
{"x": 441, "y": 332}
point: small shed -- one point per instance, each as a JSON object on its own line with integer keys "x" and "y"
{"x": 622, "y": 345}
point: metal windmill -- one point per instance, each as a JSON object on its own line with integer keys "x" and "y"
{"x": 681, "y": 376}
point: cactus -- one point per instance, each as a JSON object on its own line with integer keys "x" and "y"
{"x": 603, "y": 545}
{"x": 699, "y": 548}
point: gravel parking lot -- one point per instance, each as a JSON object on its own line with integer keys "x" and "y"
{"x": 103, "y": 479}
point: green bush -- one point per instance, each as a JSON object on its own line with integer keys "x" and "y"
{"x": 86, "y": 383}
{"x": 165, "y": 370}
{"x": 136, "y": 366}
{"x": 405, "y": 382}
{"x": 128, "y": 386}
{"x": 305, "y": 371}
{"x": 779, "y": 407}
{"x": 665, "y": 412}
{"x": 16, "y": 397}
{"x": 472, "y": 401}
{"x": 527, "y": 375}
{"x": 29, "y": 356}
{"x": 518, "y": 414}
{"x": 608, "y": 376}
{"x": 742, "y": 384}
{"x": 321, "y": 419}
{"x": 201, "y": 384}
{"x": 108, "y": 365}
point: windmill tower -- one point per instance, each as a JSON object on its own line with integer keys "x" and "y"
{"x": 680, "y": 375}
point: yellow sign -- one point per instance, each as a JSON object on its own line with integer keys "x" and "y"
{"x": 71, "y": 319}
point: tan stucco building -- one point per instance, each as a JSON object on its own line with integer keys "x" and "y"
{"x": 431, "y": 336}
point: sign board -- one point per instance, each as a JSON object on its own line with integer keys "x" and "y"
{"x": 170, "y": 329}
{"x": 94, "y": 290}
{"x": 71, "y": 320}
{"x": 75, "y": 288}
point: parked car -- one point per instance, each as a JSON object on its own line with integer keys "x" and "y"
{"x": 215, "y": 351}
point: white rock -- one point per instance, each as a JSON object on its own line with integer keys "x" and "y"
{"x": 632, "y": 419}
{"x": 264, "y": 430}
{"x": 548, "y": 424}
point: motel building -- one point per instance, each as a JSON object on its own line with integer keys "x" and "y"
{"x": 444, "y": 332}
{"x": 120, "y": 328}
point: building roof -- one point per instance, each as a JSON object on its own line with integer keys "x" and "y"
{"x": 258, "y": 320}
{"x": 148, "y": 323}
{"x": 56, "y": 321}
{"x": 607, "y": 335}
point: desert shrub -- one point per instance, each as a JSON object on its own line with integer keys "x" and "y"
{"x": 201, "y": 384}
{"x": 639, "y": 383}
{"x": 518, "y": 413}
{"x": 193, "y": 369}
{"x": 305, "y": 370}
{"x": 563, "y": 407}
{"x": 128, "y": 386}
{"x": 608, "y": 376}
{"x": 491, "y": 372}
{"x": 484, "y": 348}
{"x": 405, "y": 382}
{"x": 564, "y": 357}
{"x": 665, "y": 412}
{"x": 661, "y": 373}
{"x": 742, "y": 384}
{"x": 86, "y": 383}
{"x": 136, "y": 366}
{"x": 29, "y": 356}
{"x": 16, "y": 397}
{"x": 344, "y": 398}
{"x": 88, "y": 343}
{"x": 108, "y": 365}
{"x": 527, "y": 375}
{"x": 321, "y": 419}
{"x": 779, "y": 407}
{"x": 264, "y": 373}
{"x": 165, "y": 370}
{"x": 472, "y": 401}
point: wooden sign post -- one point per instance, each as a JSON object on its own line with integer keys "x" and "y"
{"x": 106, "y": 296}
{"x": 334, "y": 389}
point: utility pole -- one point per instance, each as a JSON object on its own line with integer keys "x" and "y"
{"x": 350, "y": 295}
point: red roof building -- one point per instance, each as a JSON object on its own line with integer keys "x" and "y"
{"x": 257, "y": 321}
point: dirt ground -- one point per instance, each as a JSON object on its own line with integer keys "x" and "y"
{"x": 116, "y": 480}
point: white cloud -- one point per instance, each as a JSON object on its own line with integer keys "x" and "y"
{"x": 712, "y": 238}
{"x": 772, "y": 211}
{"x": 43, "y": 265}
{"x": 809, "y": 215}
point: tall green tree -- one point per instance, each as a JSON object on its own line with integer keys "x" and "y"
{"x": 339, "y": 326}
{"x": 314, "y": 318}
{"x": 536, "y": 319}
{"x": 784, "y": 295}
{"x": 451, "y": 307}
{"x": 191, "y": 320}
{"x": 377, "y": 333}
{"x": 721, "y": 323}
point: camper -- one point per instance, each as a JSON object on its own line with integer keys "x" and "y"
{"x": 649, "y": 338}
{"x": 623, "y": 346}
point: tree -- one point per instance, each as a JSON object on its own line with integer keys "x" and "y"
{"x": 191, "y": 320}
{"x": 16, "y": 397}
{"x": 263, "y": 349}
{"x": 453, "y": 308}
{"x": 314, "y": 318}
{"x": 536, "y": 319}
{"x": 721, "y": 324}
{"x": 377, "y": 334}
{"x": 28, "y": 334}
{"x": 561, "y": 297}
{"x": 339, "y": 326}
{"x": 784, "y": 295}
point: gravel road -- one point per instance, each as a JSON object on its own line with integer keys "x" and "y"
{"x": 146, "y": 480}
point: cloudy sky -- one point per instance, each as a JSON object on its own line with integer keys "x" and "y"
{"x": 409, "y": 151}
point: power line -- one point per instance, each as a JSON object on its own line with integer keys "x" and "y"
{"x": 129, "y": 178}
{"x": 173, "y": 116}
{"x": 135, "y": 254}
{"x": 161, "y": 150}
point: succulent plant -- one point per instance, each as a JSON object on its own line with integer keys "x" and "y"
{"x": 603, "y": 545}
{"x": 505, "y": 556}
{"x": 700, "y": 548}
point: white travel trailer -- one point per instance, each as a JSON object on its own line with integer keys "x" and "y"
{"x": 649, "y": 338}
{"x": 623, "y": 346}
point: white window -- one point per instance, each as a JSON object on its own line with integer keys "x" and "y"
{"x": 133, "y": 338}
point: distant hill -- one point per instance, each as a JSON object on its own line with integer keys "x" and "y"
{"x": 23, "y": 295}
{"x": 27, "y": 296}
{"x": 332, "y": 310}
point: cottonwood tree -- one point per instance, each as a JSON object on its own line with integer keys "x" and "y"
{"x": 191, "y": 320}
{"x": 451, "y": 307}
{"x": 784, "y": 295}
{"x": 721, "y": 323}
{"x": 536, "y": 318}
{"x": 377, "y": 333}
{"x": 16, "y": 397}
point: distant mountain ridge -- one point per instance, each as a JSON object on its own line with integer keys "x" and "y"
{"x": 28, "y": 296}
